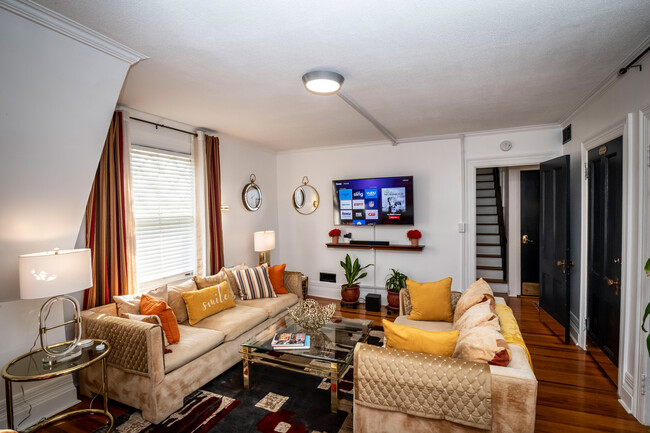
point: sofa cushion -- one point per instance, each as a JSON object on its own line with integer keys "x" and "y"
{"x": 483, "y": 344}
{"x": 149, "y": 305}
{"x": 231, "y": 278}
{"x": 481, "y": 314}
{"x": 440, "y": 343}
{"x": 273, "y": 306}
{"x": 194, "y": 343}
{"x": 276, "y": 275}
{"x": 254, "y": 283}
{"x": 176, "y": 301}
{"x": 431, "y": 301}
{"x": 131, "y": 303}
{"x": 477, "y": 292}
{"x": 206, "y": 302}
{"x": 424, "y": 325}
{"x": 233, "y": 322}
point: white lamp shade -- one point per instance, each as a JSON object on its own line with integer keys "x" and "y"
{"x": 264, "y": 241}
{"x": 53, "y": 273}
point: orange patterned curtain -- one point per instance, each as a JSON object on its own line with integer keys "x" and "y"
{"x": 107, "y": 226}
{"x": 213, "y": 205}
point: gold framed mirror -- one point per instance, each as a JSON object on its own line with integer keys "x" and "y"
{"x": 305, "y": 199}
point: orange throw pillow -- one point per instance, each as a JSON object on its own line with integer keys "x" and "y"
{"x": 276, "y": 275}
{"x": 149, "y": 305}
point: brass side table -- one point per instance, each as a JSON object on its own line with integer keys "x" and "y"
{"x": 29, "y": 368}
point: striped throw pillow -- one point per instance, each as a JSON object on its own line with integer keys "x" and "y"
{"x": 254, "y": 283}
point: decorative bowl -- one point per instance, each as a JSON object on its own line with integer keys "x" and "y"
{"x": 310, "y": 315}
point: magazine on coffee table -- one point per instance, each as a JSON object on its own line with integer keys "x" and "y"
{"x": 290, "y": 340}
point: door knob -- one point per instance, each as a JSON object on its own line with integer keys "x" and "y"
{"x": 525, "y": 240}
{"x": 615, "y": 284}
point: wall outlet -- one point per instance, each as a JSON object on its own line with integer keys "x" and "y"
{"x": 461, "y": 227}
{"x": 328, "y": 277}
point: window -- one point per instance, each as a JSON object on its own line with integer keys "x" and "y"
{"x": 163, "y": 209}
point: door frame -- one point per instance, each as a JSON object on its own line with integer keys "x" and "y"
{"x": 629, "y": 335}
{"x": 471, "y": 165}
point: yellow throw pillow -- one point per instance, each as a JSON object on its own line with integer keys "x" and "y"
{"x": 206, "y": 302}
{"x": 431, "y": 301}
{"x": 416, "y": 340}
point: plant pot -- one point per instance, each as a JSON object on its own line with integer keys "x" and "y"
{"x": 414, "y": 242}
{"x": 350, "y": 294}
{"x": 393, "y": 299}
{"x": 335, "y": 239}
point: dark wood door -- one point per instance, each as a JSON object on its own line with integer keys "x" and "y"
{"x": 554, "y": 265}
{"x": 529, "y": 200}
{"x": 604, "y": 250}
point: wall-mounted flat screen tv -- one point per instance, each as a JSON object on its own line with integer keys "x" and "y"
{"x": 375, "y": 201}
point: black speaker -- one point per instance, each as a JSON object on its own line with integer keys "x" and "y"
{"x": 373, "y": 302}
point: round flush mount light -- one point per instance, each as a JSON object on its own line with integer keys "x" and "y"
{"x": 323, "y": 82}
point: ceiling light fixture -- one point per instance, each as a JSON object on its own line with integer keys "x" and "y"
{"x": 323, "y": 82}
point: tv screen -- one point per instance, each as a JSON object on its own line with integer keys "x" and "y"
{"x": 380, "y": 200}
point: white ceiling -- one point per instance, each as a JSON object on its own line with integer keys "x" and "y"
{"x": 422, "y": 68}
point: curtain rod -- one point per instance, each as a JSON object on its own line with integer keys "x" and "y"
{"x": 163, "y": 126}
{"x": 632, "y": 63}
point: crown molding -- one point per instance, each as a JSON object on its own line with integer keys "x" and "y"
{"x": 608, "y": 82}
{"x": 55, "y": 21}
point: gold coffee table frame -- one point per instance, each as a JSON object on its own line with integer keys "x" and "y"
{"x": 32, "y": 360}
{"x": 257, "y": 351}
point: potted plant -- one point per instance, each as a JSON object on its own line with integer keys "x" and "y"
{"x": 414, "y": 236}
{"x": 394, "y": 283}
{"x": 350, "y": 290}
{"x": 334, "y": 234}
{"x": 647, "y": 308}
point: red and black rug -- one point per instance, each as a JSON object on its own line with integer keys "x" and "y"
{"x": 278, "y": 401}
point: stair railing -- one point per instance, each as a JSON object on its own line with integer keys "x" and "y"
{"x": 503, "y": 241}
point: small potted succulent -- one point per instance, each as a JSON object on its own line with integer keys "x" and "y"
{"x": 414, "y": 236}
{"x": 395, "y": 282}
{"x": 350, "y": 290}
{"x": 334, "y": 234}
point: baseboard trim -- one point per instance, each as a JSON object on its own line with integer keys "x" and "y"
{"x": 47, "y": 398}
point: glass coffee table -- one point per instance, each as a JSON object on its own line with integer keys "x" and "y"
{"x": 330, "y": 352}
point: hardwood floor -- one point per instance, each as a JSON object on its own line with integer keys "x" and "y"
{"x": 574, "y": 394}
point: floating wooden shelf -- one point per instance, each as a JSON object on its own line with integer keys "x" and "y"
{"x": 376, "y": 247}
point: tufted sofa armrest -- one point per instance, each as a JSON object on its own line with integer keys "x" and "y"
{"x": 422, "y": 384}
{"x": 293, "y": 283}
{"x": 136, "y": 347}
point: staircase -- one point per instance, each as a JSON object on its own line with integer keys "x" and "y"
{"x": 491, "y": 240}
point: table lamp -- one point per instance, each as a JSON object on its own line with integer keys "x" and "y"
{"x": 264, "y": 243}
{"x": 53, "y": 275}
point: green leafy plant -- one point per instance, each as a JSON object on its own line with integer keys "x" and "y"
{"x": 395, "y": 281}
{"x": 647, "y": 309}
{"x": 352, "y": 271}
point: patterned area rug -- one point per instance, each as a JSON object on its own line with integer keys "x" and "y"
{"x": 278, "y": 401}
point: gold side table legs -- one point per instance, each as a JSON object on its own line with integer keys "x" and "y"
{"x": 334, "y": 386}
{"x": 9, "y": 399}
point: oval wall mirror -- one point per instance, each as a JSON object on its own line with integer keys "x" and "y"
{"x": 305, "y": 198}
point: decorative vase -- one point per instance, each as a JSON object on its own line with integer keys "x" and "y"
{"x": 414, "y": 242}
{"x": 393, "y": 300}
{"x": 350, "y": 294}
{"x": 335, "y": 239}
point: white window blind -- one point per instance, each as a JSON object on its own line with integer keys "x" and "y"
{"x": 163, "y": 207}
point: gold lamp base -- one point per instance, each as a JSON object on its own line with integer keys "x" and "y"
{"x": 265, "y": 257}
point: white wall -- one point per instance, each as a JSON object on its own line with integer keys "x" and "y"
{"x": 435, "y": 167}
{"x": 240, "y": 158}
{"x": 617, "y": 103}
{"x": 57, "y": 99}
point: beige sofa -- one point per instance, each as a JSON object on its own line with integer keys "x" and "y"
{"x": 377, "y": 373}
{"x": 141, "y": 375}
